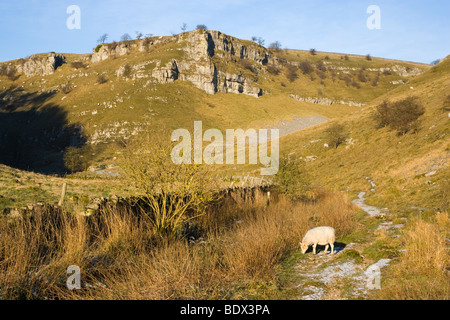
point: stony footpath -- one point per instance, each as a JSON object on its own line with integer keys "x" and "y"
{"x": 345, "y": 274}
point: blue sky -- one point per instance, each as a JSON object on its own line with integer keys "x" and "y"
{"x": 413, "y": 30}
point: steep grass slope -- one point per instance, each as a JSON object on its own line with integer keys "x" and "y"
{"x": 410, "y": 171}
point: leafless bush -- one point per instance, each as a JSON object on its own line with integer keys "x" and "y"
{"x": 335, "y": 134}
{"x": 272, "y": 69}
{"x": 291, "y": 72}
{"x": 401, "y": 116}
{"x": 247, "y": 64}
{"x": 66, "y": 88}
{"x": 306, "y": 67}
{"x": 101, "y": 79}
{"x": 78, "y": 65}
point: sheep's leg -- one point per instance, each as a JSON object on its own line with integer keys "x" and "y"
{"x": 326, "y": 249}
{"x": 314, "y": 248}
{"x": 332, "y": 248}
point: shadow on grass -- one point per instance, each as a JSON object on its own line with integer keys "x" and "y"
{"x": 34, "y": 135}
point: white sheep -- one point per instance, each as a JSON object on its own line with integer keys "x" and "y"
{"x": 320, "y": 235}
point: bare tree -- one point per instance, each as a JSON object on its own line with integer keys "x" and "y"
{"x": 139, "y": 35}
{"x": 202, "y": 27}
{"x": 125, "y": 37}
{"x": 291, "y": 72}
{"x": 336, "y": 134}
{"x": 275, "y": 46}
{"x": 184, "y": 27}
{"x": 102, "y": 38}
{"x": 258, "y": 40}
{"x": 174, "y": 193}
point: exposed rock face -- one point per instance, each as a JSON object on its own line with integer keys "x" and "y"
{"x": 204, "y": 54}
{"x": 200, "y": 67}
{"x": 109, "y": 50}
{"x": 168, "y": 73}
{"x": 406, "y": 72}
{"x": 326, "y": 101}
{"x": 398, "y": 69}
{"x": 41, "y": 66}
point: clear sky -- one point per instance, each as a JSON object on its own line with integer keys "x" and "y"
{"x": 413, "y": 30}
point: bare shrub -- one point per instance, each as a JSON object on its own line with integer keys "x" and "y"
{"x": 321, "y": 66}
{"x": 335, "y": 134}
{"x": 66, "y": 88}
{"x": 376, "y": 80}
{"x": 361, "y": 76}
{"x": 275, "y": 46}
{"x": 291, "y": 72}
{"x": 247, "y": 64}
{"x": 127, "y": 71}
{"x": 356, "y": 84}
{"x": 175, "y": 193}
{"x": 306, "y": 67}
{"x": 101, "y": 79}
{"x": 78, "y": 65}
{"x": 401, "y": 115}
{"x": 272, "y": 69}
{"x": 201, "y": 27}
{"x": 322, "y": 75}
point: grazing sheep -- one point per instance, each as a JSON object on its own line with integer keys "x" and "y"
{"x": 320, "y": 235}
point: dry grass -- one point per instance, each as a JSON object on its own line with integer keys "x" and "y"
{"x": 239, "y": 243}
{"x": 422, "y": 273}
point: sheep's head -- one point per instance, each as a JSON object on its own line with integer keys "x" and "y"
{"x": 304, "y": 247}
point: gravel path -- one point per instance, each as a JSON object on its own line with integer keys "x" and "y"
{"x": 328, "y": 277}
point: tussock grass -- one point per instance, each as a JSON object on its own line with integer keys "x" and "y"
{"x": 422, "y": 272}
{"x": 226, "y": 254}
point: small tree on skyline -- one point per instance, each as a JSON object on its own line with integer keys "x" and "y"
{"x": 125, "y": 37}
{"x": 102, "y": 38}
{"x": 139, "y": 35}
{"x": 276, "y": 46}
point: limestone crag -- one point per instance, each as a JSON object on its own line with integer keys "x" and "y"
{"x": 37, "y": 65}
{"x": 326, "y": 101}
{"x": 199, "y": 66}
{"x": 106, "y": 51}
{"x": 204, "y": 54}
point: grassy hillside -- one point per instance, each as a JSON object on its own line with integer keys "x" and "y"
{"x": 85, "y": 115}
{"x": 106, "y": 113}
{"x": 409, "y": 170}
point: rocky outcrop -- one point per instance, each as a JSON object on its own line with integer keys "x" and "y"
{"x": 167, "y": 73}
{"x": 326, "y": 101}
{"x": 37, "y": 65}
{"x": 398, "y": 69}
{"x": 203, "y": 48}
{"x": 204, "y": 55}
{"x": 105, "y": 51}
{"x": 406, "y": 71}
